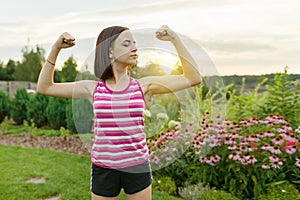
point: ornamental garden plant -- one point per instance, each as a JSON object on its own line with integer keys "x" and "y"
{"x": 242, "y": 157}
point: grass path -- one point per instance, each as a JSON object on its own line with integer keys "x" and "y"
{"x": 66, "y": 175}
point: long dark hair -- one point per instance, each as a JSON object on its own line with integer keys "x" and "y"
{"x": 102, "y": 65}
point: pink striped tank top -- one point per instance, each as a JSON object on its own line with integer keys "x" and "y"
{"x": 120, "y": 140}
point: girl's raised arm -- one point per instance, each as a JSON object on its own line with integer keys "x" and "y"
{"x": 171, "y": 83}
{"x": 46, "y": 85}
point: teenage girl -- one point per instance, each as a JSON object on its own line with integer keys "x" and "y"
{"x": 119, "y": 154}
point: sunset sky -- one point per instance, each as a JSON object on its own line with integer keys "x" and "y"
{"x": 240, "y": 36}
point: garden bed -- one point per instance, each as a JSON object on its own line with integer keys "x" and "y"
{"x": 58, "y": 143}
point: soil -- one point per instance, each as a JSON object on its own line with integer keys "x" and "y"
{"x": 69, "y": 144}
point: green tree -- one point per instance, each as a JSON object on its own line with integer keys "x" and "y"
{"x": 36, "y": 110}
{"x": 68, "y": 71}
{"x": 29, "y": 68}
{"x": 56, "y": 113}
{"x": 19, "y": 105}
{"x": 151, "y": 69}
{"x": 4, "y": 106}
{"x": 10, "y": 69}
{"x": 6, "y": 72}
{"x": 80, "y": 114}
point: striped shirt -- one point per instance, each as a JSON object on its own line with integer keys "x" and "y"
{"x": 120, "y": 140}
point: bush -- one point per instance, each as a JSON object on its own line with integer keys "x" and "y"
{"x": 19, "y": 106}
{"x": 69, "y": 117}
{"x": 79, "y": 116}
{"x": 56, "y": 112}
{"x": 37, "y": 110}
{"x": 5, "y": 105}
{"x": 283, "y": 98}
{"x": 218, "y": 195}
{"x": 193, "y": 192}
{"x": 284, "y": 191}
{"x": 164, "y": 184}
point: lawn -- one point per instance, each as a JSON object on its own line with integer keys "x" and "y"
{"x": 67, "y": 175}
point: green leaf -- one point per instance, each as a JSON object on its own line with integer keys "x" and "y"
{"x": 254, "y": 179}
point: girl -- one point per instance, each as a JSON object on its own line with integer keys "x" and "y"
{"x": 119, "y": 154}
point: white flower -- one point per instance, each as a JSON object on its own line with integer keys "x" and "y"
{"x": 147, "y": 113}
{"x": 172, "y": 124}
{"x": 162, "y": 116}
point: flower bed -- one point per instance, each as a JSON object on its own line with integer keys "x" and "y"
{"x": 241, "y": 157}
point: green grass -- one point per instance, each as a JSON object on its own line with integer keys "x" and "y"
{"x": 20, "y": 129}
{"x": 67, "y": 175}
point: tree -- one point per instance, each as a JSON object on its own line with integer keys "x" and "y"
{"x": 69, "y": 72}
{"x": 29, "y": 68}
{"x": 56, "y": 112}
{"x": 6, "y": 72}
{"x": 151, "y": 69}
{"x": 36, "y": 110}
{"x": 5, "y": 105}
{"x": 19, "y": 105}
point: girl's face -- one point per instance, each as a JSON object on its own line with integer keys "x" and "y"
{"x": 123, "y": 50}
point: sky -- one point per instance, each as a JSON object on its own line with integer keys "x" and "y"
{"x": 239, "y": 37}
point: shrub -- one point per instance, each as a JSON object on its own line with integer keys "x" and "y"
{"x": 164, "y": 184}
{"x": 218, "y": 195}
{"x": 80, "y": 114}
{"x": 4, "y": 126}
{"x": 37, "y": 110}
{"x": 69, "y": 117}
{"x": 56, "y": 112}
{"x": 283, "y": 98}
{"x": 193, "y": 192}
{"x": 19, "y": 105}
{"x": 5, "y": 105}
{"x": 284, "y": 191}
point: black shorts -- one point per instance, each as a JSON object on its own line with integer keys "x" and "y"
{"x": 108, "y": 182}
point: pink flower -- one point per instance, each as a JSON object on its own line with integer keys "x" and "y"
{"x": 275, "y": 150}
{"x": 244, "y": 142}
{"x": 278, "y": 140}
{"x": 277, "y": 164}
{"x": 253, "y": 144}
{"x": 273, "y": 158}
{"x": 297, "y": 130}
{"x": 266, "y": 147}
{"x": 265, "y": 166}
{"x": 232, "y": 147}
{"x": 251, "y": 159}
{"x": 269, "y": 134}
{"x": 216, "y": 158}
{"x": 234, "y": 156}
{"x": 155, "y": 160}
{"x": 229, "y": 141}
{"x": 297, "y": 162}
{"x": 290, "y": 149}
{"x": 168, "y": 158}
{"x": 198, "y": 152}
{"x": 202, "y": 159}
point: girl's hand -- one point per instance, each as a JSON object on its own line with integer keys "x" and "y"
{"x": 165, "y": 33}
{"x": 65, "y": 40}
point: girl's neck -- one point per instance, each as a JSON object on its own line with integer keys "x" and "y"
{"x": 120, "y": 78}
